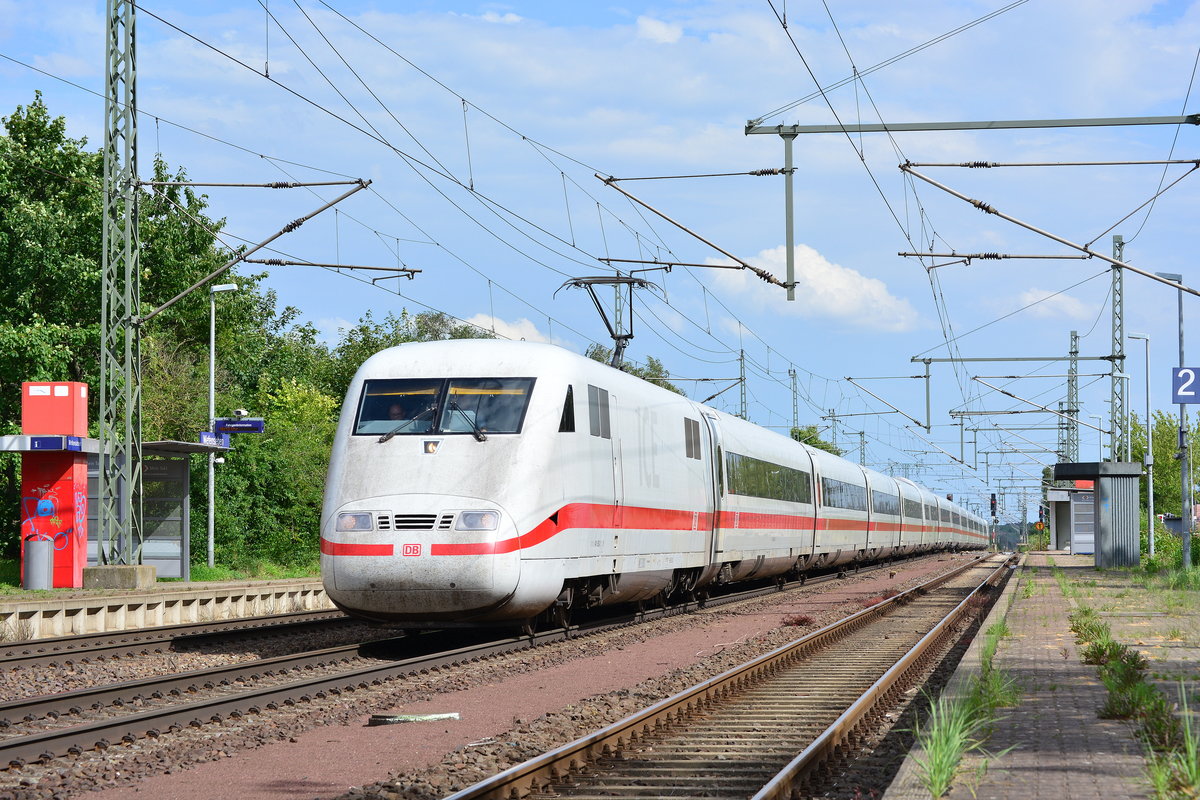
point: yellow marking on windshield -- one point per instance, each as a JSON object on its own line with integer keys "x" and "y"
{"x": 465, "y": 390}
{"x": 392, "y": 394}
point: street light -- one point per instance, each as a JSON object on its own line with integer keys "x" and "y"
{"x": 212, "y": 393}
{"x": 1149, "y": 457}
{"x": 1185, "y": 494}
{"x": 1099, "y": 435}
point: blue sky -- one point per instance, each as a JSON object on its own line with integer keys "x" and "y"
{"x": 498, "y": 205}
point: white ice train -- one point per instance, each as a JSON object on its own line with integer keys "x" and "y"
{"x": 476, "y": 481}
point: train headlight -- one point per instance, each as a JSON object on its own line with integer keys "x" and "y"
{"x": 477, "y": 521}
{"x": 354, "y": 521}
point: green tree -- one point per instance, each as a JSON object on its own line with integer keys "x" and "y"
{"x": 366, "y": 338}
{"x": 652, "y": 371}
{"x": 808, "y": 434}
{"x": 50, "y": 243}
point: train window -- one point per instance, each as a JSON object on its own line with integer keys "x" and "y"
{"x": 566, "y": 423}
{"x": 756, "y": 478}
{"x": 488, "y": 405}
{"x": 884, "y": 503}
{"x": 691, "y": 437}
{"x": 403, "y": 405}
{"x": 912, "y": 509}
{"x": 839, "y": 494}
{"x": 598, "y": 412}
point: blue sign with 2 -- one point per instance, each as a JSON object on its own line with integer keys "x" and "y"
{"x": 1185, "y": 385}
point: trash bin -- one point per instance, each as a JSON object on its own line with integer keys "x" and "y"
{"x": 39, "y": 563}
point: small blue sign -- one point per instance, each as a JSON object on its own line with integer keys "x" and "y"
{"x": 1185, "y": 385}
{"x": 74, "y": 443}
{"x": 214, "y": 439}
{"x": 238, "y": 425}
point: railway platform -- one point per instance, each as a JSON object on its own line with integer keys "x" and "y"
{"x": 38, "y": 615}
{"x": 1053, "y": 743}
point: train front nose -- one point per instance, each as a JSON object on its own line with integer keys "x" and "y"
{"x": 411, "y": 558}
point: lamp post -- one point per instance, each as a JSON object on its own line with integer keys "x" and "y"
{"x": 1185, "y": 484}
{"x": 1148, "y": 459}
{"x": 212, "y": 394}
{"x": 1099, "y": 435}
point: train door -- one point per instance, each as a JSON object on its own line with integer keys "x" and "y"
{"x": 617, "y": 462}
{"x": 602, "y": 461}
{"x": 715, "y": 485}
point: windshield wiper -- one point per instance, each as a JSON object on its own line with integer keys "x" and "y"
{"x": 405, "y": 424}
{"x": 476, "y": 431}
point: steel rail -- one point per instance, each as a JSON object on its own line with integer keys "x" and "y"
{"x": 46, "y": 745}
{"x": 73, "y": 649}
{"x": 539, "y": 775}
{"x": 882, "y": 691}
{"x": 28, "y": 709}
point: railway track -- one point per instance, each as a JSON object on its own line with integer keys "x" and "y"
{"x": 45, "y": 727}
{"x": 118, "y": 644}
{"x": 761, "y": 729}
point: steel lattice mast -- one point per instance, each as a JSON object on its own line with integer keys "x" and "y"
{"x": 120, "y": 350}
{"x": 1118, "y": 421}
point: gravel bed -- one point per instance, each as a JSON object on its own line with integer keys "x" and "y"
{"x": 21, "y": 682}
{"x": 125, "y": 765}
{"x": 467, "y": 766}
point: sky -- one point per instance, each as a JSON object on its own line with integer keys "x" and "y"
{"x": 482, "y": 127}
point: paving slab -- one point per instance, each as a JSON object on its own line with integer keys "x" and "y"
{"x": 1052, "y": 744}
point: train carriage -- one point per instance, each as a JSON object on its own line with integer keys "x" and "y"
{"x": 478, "y": 481}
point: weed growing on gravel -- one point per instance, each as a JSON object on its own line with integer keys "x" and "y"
{"x": 1171, "y": 739}
{"x": 1102, "y": 651}
{"x": 959, "y": 725}
{"x": 1176, "y": 773}
{"x": 798, "y": 620}
{"x": 953, "y": 728}
{"x": 1063, "y": 584}
{"x": 1085, "y": 622}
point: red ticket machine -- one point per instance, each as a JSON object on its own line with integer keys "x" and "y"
{"x": 54, "y": 481}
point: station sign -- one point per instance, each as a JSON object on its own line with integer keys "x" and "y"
{"x": 214, "y": 439}
{"x": 1185, "y": 385}
{"x": 238, "y": 425}
{"x": 72, "y": 443}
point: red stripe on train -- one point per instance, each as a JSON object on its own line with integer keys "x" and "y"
{"x": 583, "y": 515}
{"x": 352, "y": 549}
{"x": 592, "y": 515}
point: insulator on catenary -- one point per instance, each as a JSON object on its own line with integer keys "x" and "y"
{"x": 995, "y": 256}
{"x": 981, "y": 164}
{"x": 762, "y": 172}
{"x": 281, "y": 185}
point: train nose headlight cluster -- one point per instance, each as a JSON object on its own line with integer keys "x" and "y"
{"x": 477, "y": 521}
{"x": 354, "y": 521}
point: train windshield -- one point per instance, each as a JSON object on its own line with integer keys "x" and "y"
{"x": 400, "y": 406}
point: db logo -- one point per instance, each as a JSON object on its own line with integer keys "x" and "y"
{"x": 410, "y": 550}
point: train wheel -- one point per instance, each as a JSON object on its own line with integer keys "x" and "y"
{"x": 560, "y": 616}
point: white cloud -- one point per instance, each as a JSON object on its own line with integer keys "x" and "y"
{"x": 507, "y": 18}
{"x": 656, "y": 30}
{"x": 521, "y": 329}
{"x": 824, "y": 290}
{"x": 1056, "y": 306}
